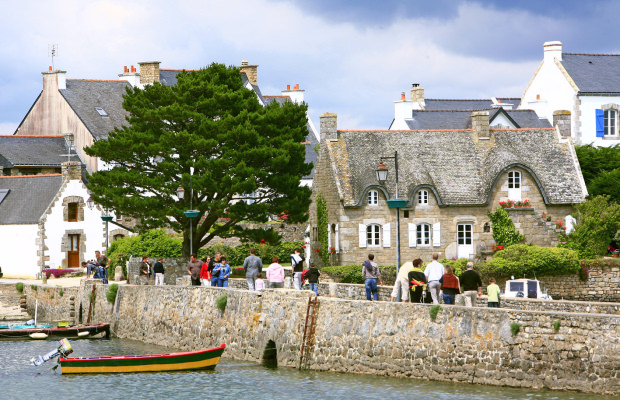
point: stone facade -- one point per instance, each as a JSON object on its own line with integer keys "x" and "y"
{"x": 149, "y": 72}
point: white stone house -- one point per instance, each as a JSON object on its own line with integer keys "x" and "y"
{"x": 585, "y": 87}
{"x": 45, "y": 222}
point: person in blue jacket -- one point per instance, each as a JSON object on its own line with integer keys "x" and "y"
{"x": 224, "y": 269}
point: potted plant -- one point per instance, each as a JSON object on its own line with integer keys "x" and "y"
{"x": 525, "y": 203}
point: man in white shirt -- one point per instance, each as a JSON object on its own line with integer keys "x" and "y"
{"x": 434, "y": 272}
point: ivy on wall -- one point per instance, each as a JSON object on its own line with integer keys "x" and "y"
{"x": 323, "y": 226}
{"x": 504, "y": 231}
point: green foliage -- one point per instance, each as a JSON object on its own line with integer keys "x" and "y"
{"x": 515, "y": 327}
{"x": 459, "y": 265}
{"x": 323, "y": 228}
{"x": 352, "y": 273}
{"x": 111, "y": 293}
{"x": 61, "y": 292}
{"x": 598, "y": 220}
{"x": 221, "y": 302}
{"x": 504, "y": 232}
{"x": 526, "y": 260}
{"x": 600, "y": 167}
{"x": 433, "y": 311}
{"x": 236, "y": 255}
{"x": 154, "y": 243}
{"x": 556, "y": 325}
{"x": 19, "y": 286}
{"x": 210, "y": 122}
{"x": 34, "y": 287}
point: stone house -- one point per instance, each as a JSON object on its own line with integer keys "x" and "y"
{"x": 45, "y": 222}
{"x": 448, "y": 181}
{"x": 582, "y": 89}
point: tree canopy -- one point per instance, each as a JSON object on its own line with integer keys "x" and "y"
{"x": 600, "y": 167}
{"x": 248, "y": 160}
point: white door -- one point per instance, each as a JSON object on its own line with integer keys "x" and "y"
{"x": 465, "y": 241}
{"x": 514, "y": 185}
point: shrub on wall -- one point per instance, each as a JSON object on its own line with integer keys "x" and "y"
{"x": 504, "y": 232}
{"x": 111, "y": 293}
{"x": 19, "y": 286}
{"x": 323, "y": 227}
{"x": 526, "y": 260}
{"x": 154, "y": 243}
{"x": 352, "y": 273}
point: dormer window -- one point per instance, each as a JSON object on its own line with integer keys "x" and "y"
{"x": 102, "y": 112}
{"x": 373, "y": 198}
{"x": 423, "y": 197}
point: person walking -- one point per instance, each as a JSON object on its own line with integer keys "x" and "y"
{"x": 205, "y": 272}
{"x": 312, "y": 275}
{"x": 449, "y": 285}
{"x": 224, "y": 273}
{"x": 417, "y": 281}
{"x": 252, "y": 265}
{"x": 193, "y": 267}
{"x": 212, "y": 266}
{"x": 472, "y": 285}
{"x": 259, "y": 283}
{"x": 402, "y": 283}
{"x": 297, "y": 262}
{"x": 493, "y": 294}
{"x": 159, "y": 272}
{"x": 433, "y": 272}
{"x": 370, "y": 274}
{"x": 275, "y": 274}
{"x": 144, "y": 270}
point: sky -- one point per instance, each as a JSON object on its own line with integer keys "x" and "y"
{"x": 353, "y": 58}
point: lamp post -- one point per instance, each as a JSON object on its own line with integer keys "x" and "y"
{"x": 69, "y": 140}
{"x": 191, "y": 213}
{"x": 382, "y": 173}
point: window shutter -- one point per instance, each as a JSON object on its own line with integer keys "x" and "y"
{"x": 336, "y": 240}
{"x": 413, "y": 240}
{"x": 386, "y": 235}
{"x": 600, "y": 123}
{"x": 436, "y": 234}
{"x": 362, "y": 235}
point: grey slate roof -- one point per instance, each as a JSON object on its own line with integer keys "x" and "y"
{"x": 465, "y": 104}
{"x": 463, "y": 172}
{"x": 85, "y": 95}
{"x": 593, "y": 73}
{"x": 32, "y": 150}
{"x": 28, "y": 197}
{"x": 461, "y": 119}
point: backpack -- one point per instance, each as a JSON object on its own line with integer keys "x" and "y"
{"x": 299, "y": 267}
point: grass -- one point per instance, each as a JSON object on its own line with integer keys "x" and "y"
{"x": 433, "y": 311}
{"x": 515, "y": 328}
{"x": 111, "y": 293}
{"x": 221, "y": 301}
{"x": 556, "y": 325}
{"x": 34, "y": 287}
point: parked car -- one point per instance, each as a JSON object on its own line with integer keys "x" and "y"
{"x": 529, "y": 288}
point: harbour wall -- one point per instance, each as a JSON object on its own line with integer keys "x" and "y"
{"x": 469, "y": 345}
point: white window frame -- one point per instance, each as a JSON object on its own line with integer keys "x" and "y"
{"x": 610, "y": 119}
{"x": 514, "y": 180}
{"x": 373, "y": 235}
{"x": 373, "y": 197}
{"x": 423, "y": 197}
{"x": 423, "y": 235}
{"x": 461, "y": 234}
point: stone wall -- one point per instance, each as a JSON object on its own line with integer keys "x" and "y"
{"x": 472, "y": 345}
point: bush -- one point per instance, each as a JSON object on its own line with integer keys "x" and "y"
{"x": 236, "y": 255}
{"x": 433, "y": 311}
{"x": 19, "y": 286}
{"x": 57, "y": 272}
{"x": 526, "y": 260}
{"x": 515, "y": 328}
{"x": 352, "y": 273}
{"x": 221, "y": 302}
{"x": 155, "y": 243}
{"x": 111, "y": 293}
{"x": 504, "y": 232}
{"x": 459, "y": 265}
{"x": 34, "y": 287}
{"x": 556, "y": 325}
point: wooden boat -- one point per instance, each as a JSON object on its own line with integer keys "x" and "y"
{"x": 77, "y": 331}
{"x": 193, "y": 360}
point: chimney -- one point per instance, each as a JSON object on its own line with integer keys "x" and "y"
{"x": 251, "y": 71}
{"x": 131, "y": 76}
{"x": 402, "y": 111}
{"x": 149, "y": 72}
{"x": 417, "y": 96}
{"x": 296, "y": 94}
{"x": 329, "y": 126}
{"x": 54, "y": 80}
{"x": 71, "y": 170}
{"x": 552, "y": 50}
{"x": 561, "y": 121}
{"x": 480, "y": 124}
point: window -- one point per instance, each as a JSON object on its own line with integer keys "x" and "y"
{"x": 423, "y": 197}
{"x": 610, "y": 116}
{"x": 373, "y": 198}
{"x": 424, "y": 235}
{"x": 72, "y": 209}
{"x": 406, "y": 214}
{"x": 514, "y": 180}
{"x": 373, "y": 235}
{"x": 486, "y": 227}
{"x": 102, "y": 112}
{"x": 464, "y": 234}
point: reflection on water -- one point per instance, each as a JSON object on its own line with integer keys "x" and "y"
{"x": 231, "y": 379}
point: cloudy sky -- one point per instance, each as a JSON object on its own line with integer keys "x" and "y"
{"x": 353, "y": 58}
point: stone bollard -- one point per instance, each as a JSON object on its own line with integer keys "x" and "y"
{"x": 288, "y": 282}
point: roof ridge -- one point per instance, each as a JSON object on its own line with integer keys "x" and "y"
{"x": 28, "y": 176}
{"x": 590, "y": 54}
{"x": 97, "y": 80}
{"x": 466, "y": 99}
{"x": 58, "y": 136}
{"x": 441, "y": 130}
{"x": 178, "y": 69}
{"x": 276, "y": 95}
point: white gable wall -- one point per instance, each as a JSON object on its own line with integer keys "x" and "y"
{"x": 588, "y": 120}
{"x": 18, "y": 257}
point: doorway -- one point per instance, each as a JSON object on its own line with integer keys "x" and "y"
{"x": 73, "y": 252}
{"x": 465, "y": 242}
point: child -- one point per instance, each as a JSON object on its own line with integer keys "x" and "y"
{"x": 493, "y": 294}
{"x": 312, "y": 275}
{"x": 259, "y": 284}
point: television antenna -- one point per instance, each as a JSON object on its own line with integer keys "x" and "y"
{"x": 52, "y": 51}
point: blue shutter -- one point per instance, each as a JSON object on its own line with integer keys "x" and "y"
{"x": 600, "y": 123}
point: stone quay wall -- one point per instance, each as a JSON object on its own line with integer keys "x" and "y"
{"x": 469, "y": 345}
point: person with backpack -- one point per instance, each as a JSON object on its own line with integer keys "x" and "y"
{"x": 312, "y": 275}
{"x": 370, "y": 274}
{"x": 297, "y": 262}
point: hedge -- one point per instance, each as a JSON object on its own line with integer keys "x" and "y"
{"x": 236, "y": 255}
{"x": 526, "y": 260}
{"x": 352, "y": 273}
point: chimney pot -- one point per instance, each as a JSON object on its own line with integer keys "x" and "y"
{"x": 415, "y": 85}
{"x": 402, "y": 96}
{"x": 537, "y": 97}
{"x": 288, "y": 87}
{"x": 125, "y": 69}
{"x": 244, "y": 62}
{"x": 297, "y": 86}
{"x": 50, "y": 69}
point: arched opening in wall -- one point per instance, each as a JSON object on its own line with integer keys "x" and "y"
{"x": 270, "y": 355}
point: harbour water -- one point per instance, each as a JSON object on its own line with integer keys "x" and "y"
{"x": 231, "y": 379}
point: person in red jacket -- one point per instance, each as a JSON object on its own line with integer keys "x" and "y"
{"x": 205, "y": 272}
{"x": 449, "y": 285}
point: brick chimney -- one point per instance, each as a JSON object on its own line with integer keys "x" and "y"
{"x": 417, "y": 96}
{"x": 329, "y": 126}
{"x": 130, "y": 75}
{"x": 72, "y": 170}
{"x": 149, "y": 72}
{"x": 552, "y": 50}
{"x": 251, "y": 71}
{"x": 480, "y": 124}
{"x": 561, "y": 120}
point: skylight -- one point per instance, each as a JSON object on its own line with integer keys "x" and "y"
{"x": 102, "y": 112}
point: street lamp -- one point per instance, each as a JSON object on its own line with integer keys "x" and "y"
{"x": 191, "y": 213}
{"x": 69, "y": 140}
{"x": 382, "y": 174}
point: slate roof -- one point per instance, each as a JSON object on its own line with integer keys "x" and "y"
{"x": 461, "y": 119}
{"x": 593, "y": 73}
{"x": 465, "y": 104}
{"x": 26, "y": 150}
{"x": 28, "y": 197}
{"x": 462, "y": 172}
{"x": 84, "y": 96}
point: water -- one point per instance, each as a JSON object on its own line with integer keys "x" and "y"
{"x": 231, "y": 379}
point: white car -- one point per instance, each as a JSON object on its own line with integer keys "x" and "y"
{"x": 528, "y": 288}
